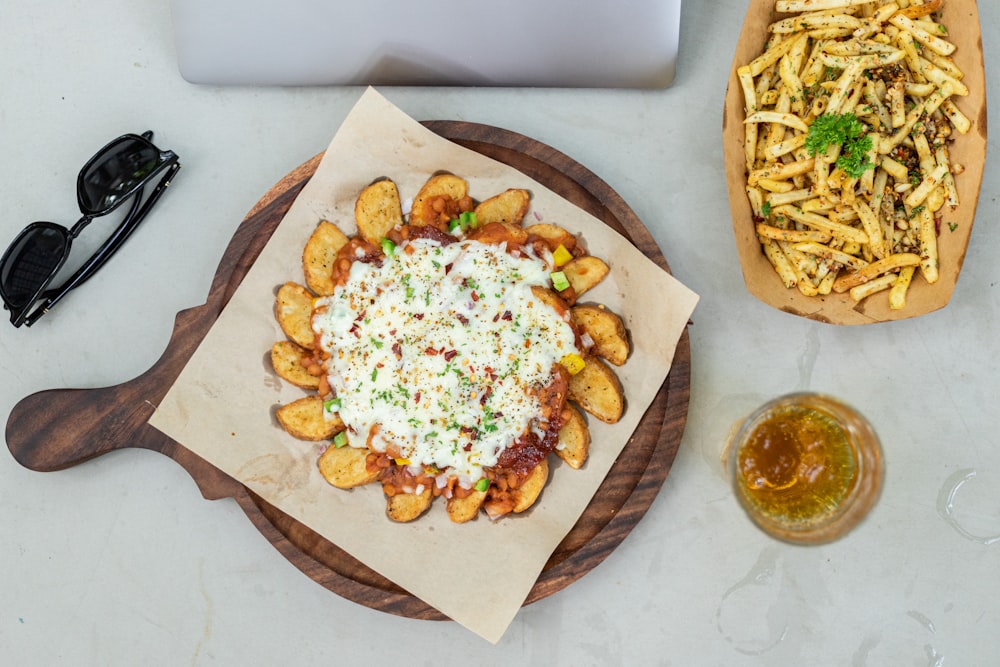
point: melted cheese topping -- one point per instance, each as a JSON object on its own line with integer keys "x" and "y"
{"x": 437, "y": 355}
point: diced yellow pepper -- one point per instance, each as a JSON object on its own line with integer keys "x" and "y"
{"x": 561, "y": 255}
{"x": 573, "y": 363}
{"x": 402, "y": 462}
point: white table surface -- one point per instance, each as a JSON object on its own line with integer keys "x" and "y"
{"x": 120, "y": 561}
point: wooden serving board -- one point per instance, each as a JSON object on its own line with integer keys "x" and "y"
{"x": 116, "y": 417}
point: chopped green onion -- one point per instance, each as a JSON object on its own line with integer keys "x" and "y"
{"x": 333, "y": 405}
{"x": 340, "y": 440}
{"x": 454, "y": 224}
{"x": 388, "y": 247}
{"x": 559, "y": 281}
{"x": 482, "y": 484}
{"x": 468, "y": 220}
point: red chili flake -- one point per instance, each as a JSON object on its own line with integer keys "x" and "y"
{"x": 416, "y": 397}
{"x": 418, "y": 316}
{"x": 397, "y": 350}
{"x": 507, "y": 316}
{"x": 447, "y": 269}
{"x": 496, "y": 317}
{"x": 354, "y": 330}
{"x": 475, "y": 297}
{"x": 430, "y": 351}
{"x": 450, "y": 354}
{"x": 462, "y": 318}
{"x": 486, "y": 396}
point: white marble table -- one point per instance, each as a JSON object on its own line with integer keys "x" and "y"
{"x": 120, "y": 561}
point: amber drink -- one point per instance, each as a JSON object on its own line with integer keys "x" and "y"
{"x": 806, "y": 467}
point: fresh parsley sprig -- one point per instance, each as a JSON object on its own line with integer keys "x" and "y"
{"x": 846, "y": 131}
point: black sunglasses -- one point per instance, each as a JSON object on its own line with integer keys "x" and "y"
{"x": 118, "y": 172}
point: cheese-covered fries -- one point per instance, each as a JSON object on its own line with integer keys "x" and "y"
{"x": 850, "y": 110}
{"x": 444, "y": 350}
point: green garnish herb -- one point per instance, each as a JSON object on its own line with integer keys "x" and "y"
{"x": 559, "y": 281}
{"x": 952, "y": 226}
{"x": 766, "y": 209}
{"x": 340, "y": 440}
{"x": 846, "y": 131}
{"x": 482, "y": 484}
{"x": 468, "y": 220}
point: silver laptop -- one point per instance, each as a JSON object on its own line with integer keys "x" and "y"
{"x": 546, "y": 43}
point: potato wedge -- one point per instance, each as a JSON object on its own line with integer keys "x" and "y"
{"x": 585, "y": 272}
{"x": 443, "y": 184}
{"x": 318, "y": 257}
{"x": 597, "y": 390}
{"x": 377, "y": 210}
{"x": 554, "y": 235}
{"x": 305, "y": 419}
{"x": 574, "y": 440}
{"x": 551, "y": 299}
{"x": 499, "y": 232}
{"x": 465, "y": 509}
{"x": 293, "y": 310}
{"x": 526, "y": 494}
{"x": 344, "y": 467}
{"x": 606, "y": 329}
{"x": 510, "y": 206}
{"x": 404, "y": 507}
{"x": 289, "y": 361}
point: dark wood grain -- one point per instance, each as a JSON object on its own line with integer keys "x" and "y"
{"x": 116, "y": 417}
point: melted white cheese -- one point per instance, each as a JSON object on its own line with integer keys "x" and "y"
{"x": 437, "y": 355}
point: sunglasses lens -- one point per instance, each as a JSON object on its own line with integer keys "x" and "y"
{"x": 31, "y": 262}
{"x": 115, "y": 173}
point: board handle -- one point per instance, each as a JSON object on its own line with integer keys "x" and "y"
{"x": 59, "y": 428}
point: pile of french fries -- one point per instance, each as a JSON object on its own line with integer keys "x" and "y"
{"x": 593, "y": 387}
{"x": 889, "y": 64}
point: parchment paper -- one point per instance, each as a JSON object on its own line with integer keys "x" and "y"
{"x": 221, "y": 406}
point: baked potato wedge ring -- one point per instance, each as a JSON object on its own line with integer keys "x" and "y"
{"x": 377, "y": 210}
{"x": 404, "y": 507}
{"x": 305, "y": 419}
{"x": 444, "y": 184}
{"x": 585, "y": 273}
{"x": 598, "y": 391}
{"x": 606, "y": 329}
{"x": 318, "y": 257}
{"x": 344, "y": 467}
{"x": 510, "y": 206}
{"x": 465, "y": 509}
{"x": 526, "y": 494}
{"x": 289, "y": 362}
{"x": 293, "y": 310}
{"x": 574, "y": 440}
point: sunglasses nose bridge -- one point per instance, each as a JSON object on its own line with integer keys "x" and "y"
{"x": 79, "y": 225}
